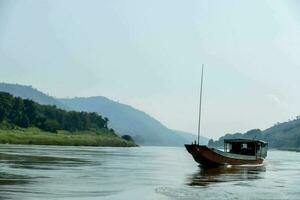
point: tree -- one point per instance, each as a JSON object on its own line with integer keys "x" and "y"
{"x": 24, "y": 113}
{"x": 211, "y": 142}
{"x": 5, "y": 105}
{"x": 51, "y": 125}
{"x": 24, "y": 121}
{"x": 128, "y": 138}
{"x": 16, "y": 114}
{"x": 106, "y": 120}
{"x": 30, "y": 110}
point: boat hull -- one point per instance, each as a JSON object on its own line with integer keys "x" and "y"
{"x": 209, "y": 157}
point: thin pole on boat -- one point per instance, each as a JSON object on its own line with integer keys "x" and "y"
{"x": 200, "y": 105}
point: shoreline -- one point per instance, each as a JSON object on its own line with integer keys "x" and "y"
{"x": 288, "y": 149}
{"x": 35, "y": 136}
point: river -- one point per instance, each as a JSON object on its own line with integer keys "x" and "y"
{"x": 56, "y": 172}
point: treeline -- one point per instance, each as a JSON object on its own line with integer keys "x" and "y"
{"x": 282, "y": 135}
{"x": 25, "y": 113}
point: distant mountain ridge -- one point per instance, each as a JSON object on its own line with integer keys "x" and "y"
{"x": 127, "y": 120}
{"x": 28, "y": 92}
{"x": 123, "y": 118}
{"x": 284, "y": 135}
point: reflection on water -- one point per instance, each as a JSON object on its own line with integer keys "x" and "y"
{"x": 164, "y": 173}
{"x": 38, "y": 162}
{"x": 13, "y": 179}
{"x": 206, "y": 176}
{"x": 11, "y": 183}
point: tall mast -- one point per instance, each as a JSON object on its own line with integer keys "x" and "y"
{"x": 200, "y": 105}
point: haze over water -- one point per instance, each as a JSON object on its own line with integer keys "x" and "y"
{"x": 148, "y": 54}
{"x": 52, "y": 172}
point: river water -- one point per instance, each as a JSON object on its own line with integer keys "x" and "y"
{"x": 53, "y": 172}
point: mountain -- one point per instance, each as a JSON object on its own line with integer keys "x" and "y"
{"x": 28, "y": 92}
{"x": 24, "y": 121}
{"x": 284, "y": 135}
{"x": 123, "y": 118}
{"x": 127, "y": 120}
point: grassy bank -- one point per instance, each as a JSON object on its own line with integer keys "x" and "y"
{"x": 35, "y": 136}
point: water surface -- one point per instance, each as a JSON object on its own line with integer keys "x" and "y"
{"x": 55, "y": 172}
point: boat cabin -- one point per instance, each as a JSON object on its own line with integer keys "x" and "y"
{"x": 246, "y": 147}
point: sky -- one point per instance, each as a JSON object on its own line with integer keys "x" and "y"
{"x": 148, "y": 54}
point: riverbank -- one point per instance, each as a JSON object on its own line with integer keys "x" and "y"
{"x": 35, "y": 136}
{"x": 288, "y": 149}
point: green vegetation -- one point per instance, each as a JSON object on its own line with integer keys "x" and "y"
{"x": 127, "y": 138}
{"x": 25, "y": 113}
{"x": 23, "y": 121}
{"x": 37, "y": 136}
{"x": 124, "y": 119}
{"x": 284, "y": 136}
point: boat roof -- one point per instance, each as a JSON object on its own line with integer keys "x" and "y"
{"x": 244, "y": 141}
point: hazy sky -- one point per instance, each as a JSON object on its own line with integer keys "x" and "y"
{"x": 149, "y": 53}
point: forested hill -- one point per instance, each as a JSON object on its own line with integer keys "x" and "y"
{"x": 125, "y": 119}
{"x": 28, "y": 92}
{"x": 26, "y": 113}
{"x": 284, "y": 135}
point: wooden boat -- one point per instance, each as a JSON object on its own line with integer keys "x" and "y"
{"x": 236, "y": 151}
